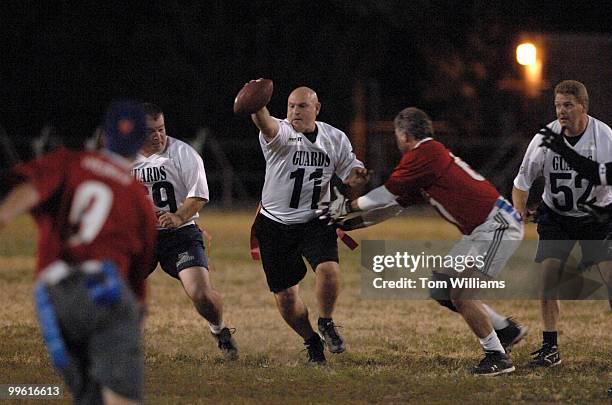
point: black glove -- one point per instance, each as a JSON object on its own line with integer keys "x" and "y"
{"x": 596, "y": 213}
{"x": 552, "y": 140}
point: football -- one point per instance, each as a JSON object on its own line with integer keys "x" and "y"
{"x": 253, "y": 96}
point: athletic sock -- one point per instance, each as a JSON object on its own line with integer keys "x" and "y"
{"x": 322, "y": 322}
{"x": 313, "y": 339}
{"x": 491, "y": 343}
{"x": 550, "y": 338}
{"x": 216, "y": 329}
{"x": 498, "y": 321}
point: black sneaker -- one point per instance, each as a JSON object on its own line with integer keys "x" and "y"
{"x": 511, "y": 334}
{"x": 494, "y": 363}
{"x": 226, "y": 343}
{"x": 333, "y": 341}
{"x": 314, "y": 346}
{"x": 547, "y": 356}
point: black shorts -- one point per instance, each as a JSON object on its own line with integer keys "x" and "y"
{"x": 558, "y": 235}
{"x": 179, "y": 249}
{"x": 103, "y": 341}
{"x": 282, "y": 247}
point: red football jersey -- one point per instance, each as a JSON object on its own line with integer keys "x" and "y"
{"x": 431, "y": 171}
{"x": 92, "y": 208}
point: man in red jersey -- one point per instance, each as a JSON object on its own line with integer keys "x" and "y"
{"x": 465, "y": 198}
{"x": 96, "y": 240}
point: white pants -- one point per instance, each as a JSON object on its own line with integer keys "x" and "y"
{"x": 495, "y": 240}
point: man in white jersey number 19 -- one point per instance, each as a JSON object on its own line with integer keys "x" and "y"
{"x": 301, "y": 156}
{"x": 174, "y": 175}
{"x": 560, "y": 221}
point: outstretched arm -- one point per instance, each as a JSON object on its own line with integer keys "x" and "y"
{"x": 21, "y": 199}
{"x": 378, "y": 198}
{"x": 596, "y": 173}
{"x": 376, "y": 206}
{"x": 267, "y": 124}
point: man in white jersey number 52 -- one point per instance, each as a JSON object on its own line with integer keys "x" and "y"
{"x": 561, "y": 222}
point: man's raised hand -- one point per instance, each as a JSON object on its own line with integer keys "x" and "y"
{"x": 552, "y": 140}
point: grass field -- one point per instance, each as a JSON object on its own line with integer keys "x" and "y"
{"x": 398, "y": 351}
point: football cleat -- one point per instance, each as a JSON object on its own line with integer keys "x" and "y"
{"x": 494, "y": 363}
{"x": 227, "y": 343}
{"x": 511, "y": 334}
{"x": 547, "y": 356}
{"x": 314, "y": 346}
{"x": 333, "y": 341}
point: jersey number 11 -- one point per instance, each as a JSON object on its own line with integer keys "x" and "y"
{"x": 298, "y": 175}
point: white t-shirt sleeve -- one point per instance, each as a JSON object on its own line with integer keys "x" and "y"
{"x": 193, "y": 173}
{"x": 377, "y": 198}
{"x": 284, "y": 131}
{"x": 346, "y": 158}
{"x": 532, "y": 166}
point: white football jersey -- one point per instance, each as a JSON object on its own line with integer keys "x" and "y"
{"x": 564, "y": 188}
{"x": 298, "y": 171}
{"x": 172, "y": 176}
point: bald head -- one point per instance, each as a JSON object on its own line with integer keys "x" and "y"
{"x": 304, "y": 93}
{"x": 302, "y": 109}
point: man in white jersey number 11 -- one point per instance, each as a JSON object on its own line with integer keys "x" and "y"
{"x": 173, "y": 172}
{"x": 301, "y": 156}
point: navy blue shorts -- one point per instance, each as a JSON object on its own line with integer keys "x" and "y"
{"x": 559, "y": 234}
{"x": 179, "y": 249}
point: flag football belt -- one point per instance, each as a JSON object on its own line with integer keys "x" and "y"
{"x": 102, "y": 283}
{"x": 502, "y": 204}
{"x": 49, "y": 325}
{"x": 101, "y": 278}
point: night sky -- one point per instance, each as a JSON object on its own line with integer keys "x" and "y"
{"x": 61, "y": 59}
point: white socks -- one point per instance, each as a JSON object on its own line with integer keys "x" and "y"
{"x": 491, "y": 343}
{"x": 498, "y": 321}
{"x": 216, "y": 329}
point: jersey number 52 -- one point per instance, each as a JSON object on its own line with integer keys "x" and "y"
{"x": 568, "y": 197}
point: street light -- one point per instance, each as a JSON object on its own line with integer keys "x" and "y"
{"x": 526, "y": 54}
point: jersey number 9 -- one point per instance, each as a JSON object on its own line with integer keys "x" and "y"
{"x": 89, "y": 210}
{"x": 163, "y": 195}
